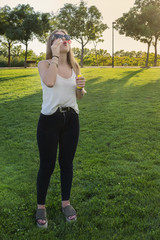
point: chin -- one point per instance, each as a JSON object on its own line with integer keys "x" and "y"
{"x": 64, "y": 47}
{"x": 64, "y": 50}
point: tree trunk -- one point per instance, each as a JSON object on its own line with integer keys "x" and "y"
{"x": 25, "y": 62}
{"x": 149, "y": 44}
{"x": 155, "y": 47}
{"x": 9, "y": 54}
{"x": 96, "y": 55}
{"x": 82, "y": 52}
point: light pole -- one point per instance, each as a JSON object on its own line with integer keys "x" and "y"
{"x": 113, "y": 44}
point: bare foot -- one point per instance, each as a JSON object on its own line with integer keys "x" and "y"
{"x": 41, "y": 221}
{"x": 65, "y": 204}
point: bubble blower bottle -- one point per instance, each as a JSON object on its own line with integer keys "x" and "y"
{"x": 78, "y": 77}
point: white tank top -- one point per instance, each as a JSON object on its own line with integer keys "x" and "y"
{"x": 62, "y": 94}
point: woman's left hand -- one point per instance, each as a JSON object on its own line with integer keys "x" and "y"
{"x": 80, "y": 82}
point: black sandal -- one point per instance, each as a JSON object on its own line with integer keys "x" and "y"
{"x": 41, "y": 214}
{"x": 69, "y": 211}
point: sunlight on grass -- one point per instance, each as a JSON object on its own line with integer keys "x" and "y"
{"x": 18, "y": 84}
{"x": 133, "y": 77}
{"x": 144, "y": 78}
{"x": 97, "y": 75}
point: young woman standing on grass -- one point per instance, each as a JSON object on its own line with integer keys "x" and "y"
{"x": 58, "y": 123}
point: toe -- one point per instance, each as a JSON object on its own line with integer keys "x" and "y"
{"x": 41, "y": 222}
{"x": 72, "y": 217}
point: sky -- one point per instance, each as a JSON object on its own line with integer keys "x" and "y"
{"x": 110, "y": 10}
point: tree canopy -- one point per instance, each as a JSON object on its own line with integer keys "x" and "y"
{"x": 82, "y": 23}
{"x": 142, "y": 23}
{"x": 7, "y": 25}
{"x": 30, "y": 24}
{"x": 23, "y": 24}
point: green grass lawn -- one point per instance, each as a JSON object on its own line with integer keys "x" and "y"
{"x": 116, "y": 186}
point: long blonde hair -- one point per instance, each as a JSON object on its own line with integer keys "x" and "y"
{"x": 70, "y": 57}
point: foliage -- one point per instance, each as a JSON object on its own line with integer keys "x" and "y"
{"x": 22, "y": 23}
{"x": 142, "y": 23}
{"x": 17, "y": 57}
{"x": 77, "y": 52}
{"x": 121, "y": 58}
{"x": 116, "y": 168}
{"x": 17, "y": 62}
{"x": 85, "y": 25}
{"x": 3, "y": 61}
{"x": 27, "y": 24}
{"x": 151, "y": 15}
{"x": 17, "y": 51}
{"x": 131, "y": 25}
{"x": 122, "y": 53}
{"x": 6, "y": 21}
{"x": 42, "y": 56}
{"x": 82, "y": 23}
{"x": 3, "y": 49}
{"x": 46, "y": 23}
{"x": 7, "y": 24}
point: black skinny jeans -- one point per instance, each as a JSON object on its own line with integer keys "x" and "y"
{"x": 57, "y": 129}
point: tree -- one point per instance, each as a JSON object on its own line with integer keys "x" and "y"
{"x": 142, "y": 3}
{"x": 120, "y": 53}
{"x": 27, "y": 22}
{"x": 46, "y": 23}
{"x": 95, "y": 42}
{"x": 17, "y": 51}
{"x": 140, "y": 54}
{"x": 23, "y": 24}
{"x": 42, "y": 56}
{"x": 150, "y": 13}
{"x": 7, "y": 23}
{"x": 82, "y": 23}
{"x": 30, "y": 24}
{"x": 77, "y": 52}
{"x": 3, "y": 49}
{"x": 102, "y": 55}
{"x": 131, "y": 25}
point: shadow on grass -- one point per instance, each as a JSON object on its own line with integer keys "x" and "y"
{"x": 126, "y": 82}
{"x": 21, "y": 109}
{"x": 123, "y": 79}
{"x": 12, "y": 78}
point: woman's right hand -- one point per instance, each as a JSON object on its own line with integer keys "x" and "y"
{"x": 55, "y": 47}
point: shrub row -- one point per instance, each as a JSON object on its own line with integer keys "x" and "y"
{"x": 90, "y": 60}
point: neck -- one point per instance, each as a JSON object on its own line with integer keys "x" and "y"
{"x": 62, "y": 59}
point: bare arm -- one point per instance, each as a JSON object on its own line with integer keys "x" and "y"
{"x": 80, "y": 93}
{"x": 48, "y": 71}
{"x": 80, "y": 81}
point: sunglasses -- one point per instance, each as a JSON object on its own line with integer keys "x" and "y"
{"x": 56, "y": 36}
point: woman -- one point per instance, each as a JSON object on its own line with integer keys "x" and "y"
{"x": 58, "y": 123}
